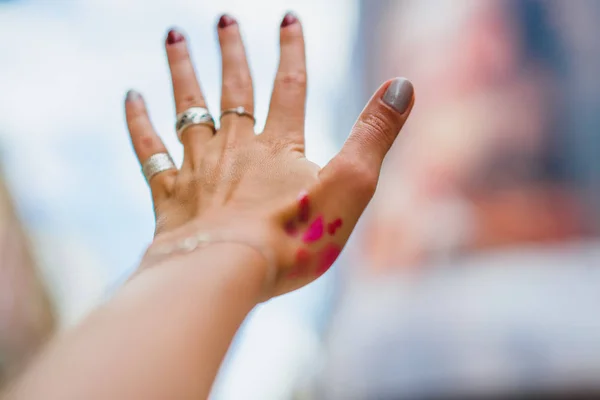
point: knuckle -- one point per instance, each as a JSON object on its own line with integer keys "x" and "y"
{"x": 163, "y": 184}
{"x": 148, "y": 142}
{"x": 375, "y": 131}
{"x": 361, "y": 176}
{"x": 277, "y": 144}
{"x": 376, "y": 126}
{"x": 366, "y": 178}
{"x": 190, "y": 100}
{"x": 237, "y": 83}
{"x": 293, "y": 79}
{"x": 183, "y": 185}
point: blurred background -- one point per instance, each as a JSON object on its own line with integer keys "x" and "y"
{"x": 474, "y": 271}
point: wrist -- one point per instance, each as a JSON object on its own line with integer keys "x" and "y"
{"x": 241, "y": 233}
{"x": 239, "y": 266}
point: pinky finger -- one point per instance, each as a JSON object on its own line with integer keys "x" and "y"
{"x": 146, "y": 141}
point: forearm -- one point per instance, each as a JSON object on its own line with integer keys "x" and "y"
{"x": 163, "y": 336}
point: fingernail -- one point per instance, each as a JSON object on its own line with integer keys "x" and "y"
{"x": 225, "y": 21}
{"x": 174, "y": 37}
{"x": 399, "y": 95}
{"x": 132, "y": 95}
{"x": 289, "y": 19}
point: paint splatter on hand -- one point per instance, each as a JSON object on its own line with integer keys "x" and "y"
{"x": 315, "y": 231}
{"x": 313, "y": 258}
{"x": 334, "y": 226}
{"x": 248, "y": 189}
{"x": 326, "y": 257}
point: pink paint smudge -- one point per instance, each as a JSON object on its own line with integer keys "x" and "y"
{"x": 303, "y": 207}
{"x": 291, "y": 228}
{"x": 334, "y": 226}
{"x": 303, "y": 259}
{"x": 314, "y": 231}
{"x": 327, "y": 257}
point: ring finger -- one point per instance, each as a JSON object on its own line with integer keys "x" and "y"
{"x": 237, "y": 83}
{"x": 147, "y": 143}
{"x": 187, "y": 93}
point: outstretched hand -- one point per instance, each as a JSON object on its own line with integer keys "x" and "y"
{"x": 261, "y": 189}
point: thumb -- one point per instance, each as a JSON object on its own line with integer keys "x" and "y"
{"x": 373, "y": 134}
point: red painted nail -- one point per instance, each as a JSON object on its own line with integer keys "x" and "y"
{"x": 174, "y": 37}
{"x": 289, "y": 19}
{"x": 225, "y": 21}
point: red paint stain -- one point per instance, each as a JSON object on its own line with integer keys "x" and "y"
{"x": 291, "y": 228}
{"x": 303, "y": 207}
{"x": 334, "y": 226}
{"x": 302, "y": 262}
{"x": 314, "y": 231}
{"x": 327, "y": 257}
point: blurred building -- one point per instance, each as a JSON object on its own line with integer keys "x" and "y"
{"x": 476, "y": 267}
{"x": 494, "y": 142}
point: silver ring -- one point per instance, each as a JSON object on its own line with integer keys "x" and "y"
{"x": 156, "y": 164}
{"x": 193, "y": 116}
{"x": 241, "y": 111}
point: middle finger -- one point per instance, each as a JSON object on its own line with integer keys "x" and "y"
{"x": 237, "y": 83}
{"x": 187, "y": 92}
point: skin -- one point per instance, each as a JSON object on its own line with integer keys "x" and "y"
{"x": 166, "y": 332}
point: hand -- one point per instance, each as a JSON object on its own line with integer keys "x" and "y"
{"x": 261, "y": 189}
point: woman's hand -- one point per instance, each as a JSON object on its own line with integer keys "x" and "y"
{"x": 260, "y": 189}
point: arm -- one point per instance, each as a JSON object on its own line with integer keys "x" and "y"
{"x": 162, "y": 337}
{"x": 166, "y": 332}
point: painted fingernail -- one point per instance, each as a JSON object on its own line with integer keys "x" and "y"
{"x": 174, "y": 37}
{"x": 225, "y": 21}
{"x": 399, "y": 95}
{"x": 132, "y": 95}
{"x": 289, "y": 19}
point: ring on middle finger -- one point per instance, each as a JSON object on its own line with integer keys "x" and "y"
{"x": 194, "y": 116}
